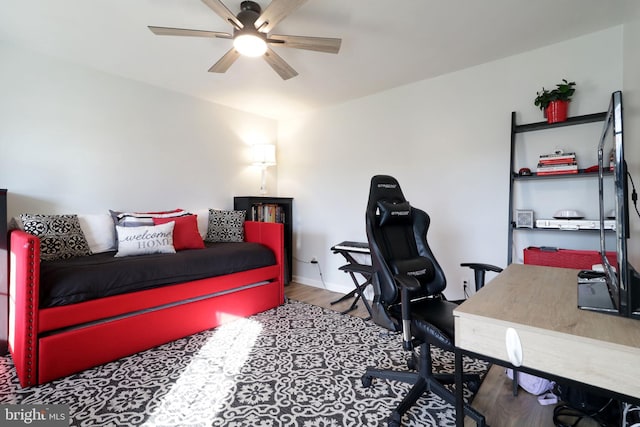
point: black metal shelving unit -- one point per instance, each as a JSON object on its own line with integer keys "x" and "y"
{"x": 514, "y": 176}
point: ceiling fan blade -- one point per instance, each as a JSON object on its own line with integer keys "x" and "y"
{"x": 218, "y": 7}
{"x": 279, "y": 65}
{"x": 166, "y": 31}
{"x": 276, "y": 12}
{"x": 225, "y": 62}
{"x": 319, "y": 44}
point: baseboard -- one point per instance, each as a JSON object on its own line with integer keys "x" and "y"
{"x": 333, "y": 287}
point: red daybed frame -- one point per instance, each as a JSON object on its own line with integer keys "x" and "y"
{"x": 50, "y": 343}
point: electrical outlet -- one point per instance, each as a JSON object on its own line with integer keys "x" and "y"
{"x": 314, "y": 260}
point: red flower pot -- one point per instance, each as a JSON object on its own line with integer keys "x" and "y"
{"x": 557, "y": 111}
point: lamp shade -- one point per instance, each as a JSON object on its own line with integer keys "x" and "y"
{"x": 249, "y": 44}
{"x": 263, "y": 154}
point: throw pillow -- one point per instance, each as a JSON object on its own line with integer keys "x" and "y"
{"x": 226, "y": 226}
{"x": 419, "y": 267}
{"x": 185, "y": 232}
{"x": 143, "y": 240}
{"x": 394, "y": 213}
{"x": 203, "y": 221}
{"x": 99, "y": 231}
{"x": 136, "y": 219}
{"x": 60, "y": 235}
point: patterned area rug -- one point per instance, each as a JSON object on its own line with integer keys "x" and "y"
{"x": 295, "y": 365}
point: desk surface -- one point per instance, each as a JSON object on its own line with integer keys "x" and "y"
{"x": 540, "y": 303}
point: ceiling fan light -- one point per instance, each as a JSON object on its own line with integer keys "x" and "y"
{"x": 249, "y": 45}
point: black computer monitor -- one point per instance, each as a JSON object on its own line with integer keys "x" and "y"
{"x": 622, "y": 280}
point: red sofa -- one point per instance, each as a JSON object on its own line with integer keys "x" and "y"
{"x": 49, "y": 343}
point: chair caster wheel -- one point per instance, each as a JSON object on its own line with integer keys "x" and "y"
{"x": 394, "y": 419}
{"x": 412, "y": 363}
{"x": 366, "y": 381}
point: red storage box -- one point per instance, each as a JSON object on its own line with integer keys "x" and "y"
{"x": 568, "y": 258}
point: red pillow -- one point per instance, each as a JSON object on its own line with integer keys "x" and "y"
{"x": 185, "y": 232}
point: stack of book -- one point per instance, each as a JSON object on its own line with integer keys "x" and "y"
{"x": 557, "y": 164}
{"x": 267, "y": 212}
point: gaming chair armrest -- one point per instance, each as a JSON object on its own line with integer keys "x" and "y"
{"x": 407, "y": 282}
{"x": 479, "y": 271}
{"x": 407, "y": 285}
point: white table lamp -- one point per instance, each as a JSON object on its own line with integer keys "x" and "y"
{"x": 263, "y": 155}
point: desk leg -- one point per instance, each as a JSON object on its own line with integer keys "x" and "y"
{"x": 463, "y": 409}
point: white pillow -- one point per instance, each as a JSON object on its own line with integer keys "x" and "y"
{"x": 143, "y": 240}
{"x": 203, "y": 221}
{"x": 99, "y": 232}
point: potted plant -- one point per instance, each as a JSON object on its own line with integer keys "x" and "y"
{"x": 555, "y": 103}
{"x": 542, "y": 100}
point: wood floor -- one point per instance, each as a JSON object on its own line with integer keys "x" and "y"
{"x": 494, "y": 399}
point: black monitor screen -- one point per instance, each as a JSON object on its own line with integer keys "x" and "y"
{"x": 612, "y": 201}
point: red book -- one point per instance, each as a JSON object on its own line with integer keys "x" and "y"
{"x": 556, "y": 172}
{"x": 556, "y": 161}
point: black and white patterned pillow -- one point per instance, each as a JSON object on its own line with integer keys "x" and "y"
{"x": 225, "y": 226}
{"x": 60, "y": 235}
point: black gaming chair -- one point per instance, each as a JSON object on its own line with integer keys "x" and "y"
{"x": 408, "y": 283}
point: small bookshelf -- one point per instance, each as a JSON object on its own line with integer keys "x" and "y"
{"x": 271, "y": 209}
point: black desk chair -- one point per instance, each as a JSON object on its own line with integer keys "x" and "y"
{"x": 408, "y": 283}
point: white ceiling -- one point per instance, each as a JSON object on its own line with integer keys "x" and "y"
{"x": 385, "y": 43}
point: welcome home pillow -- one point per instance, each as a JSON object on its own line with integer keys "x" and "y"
{"x": 144, "y": 240}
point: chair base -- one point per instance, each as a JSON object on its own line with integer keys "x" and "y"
{"x": 424, "y": 380}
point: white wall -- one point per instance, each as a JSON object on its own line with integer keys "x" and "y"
{"x": 75, "y": 140}
{"x": 446, "y": 140}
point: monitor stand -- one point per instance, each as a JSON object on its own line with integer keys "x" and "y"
{"x": 593, "y": 292}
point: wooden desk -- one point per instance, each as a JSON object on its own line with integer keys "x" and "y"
{"x": 557, "y": 338}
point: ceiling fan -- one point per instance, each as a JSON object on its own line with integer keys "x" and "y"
{"x": 251, "y": 36}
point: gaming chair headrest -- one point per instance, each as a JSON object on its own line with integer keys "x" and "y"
{"x": 384, "y": 187}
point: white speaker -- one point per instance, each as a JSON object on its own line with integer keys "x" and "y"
{"x": 524, "y": 218}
